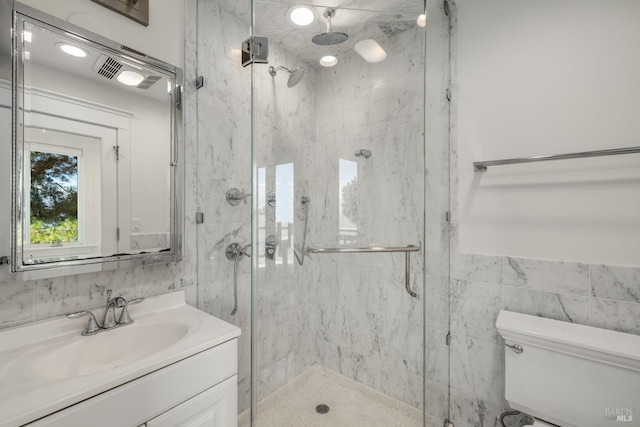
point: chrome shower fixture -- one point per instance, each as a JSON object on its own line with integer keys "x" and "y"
{"x": 294, "y": 76}
{"x": 329, "y": 38}
{"x": 363, "y": 153}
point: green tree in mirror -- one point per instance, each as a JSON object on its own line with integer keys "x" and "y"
{"x": 54, "y": 198}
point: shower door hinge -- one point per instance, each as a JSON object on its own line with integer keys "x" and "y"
{"x": 255, "y": 50}
{"x": 179, "y": 97}
{"x": 118, "y": 233}
{"x": 447, "y": 216}
{"x": 448, "y": 339}
{"x": 448, "y": 94}
{"x": 447, "y": 11}
{"x": 199, "y": 218}
{"x": 199, "y": 82}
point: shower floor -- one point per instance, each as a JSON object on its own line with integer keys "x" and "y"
{"x": 350, "y": 404}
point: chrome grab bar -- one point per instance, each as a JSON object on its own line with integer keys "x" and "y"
{"x": 377, "y": 249}
{"x": 482, "y": 166}
{"x": 370, "y": 249}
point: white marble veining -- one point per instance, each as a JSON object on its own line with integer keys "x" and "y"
{"x": 567, "y": 307}
{"x": 615, "y": 315}
{"x": 477, "y": 267}
{"x": 474, "y": 309}
{"x": 618, "y": 283}
{"x": 477, "y": 368}
{"x": 565, "y": 277}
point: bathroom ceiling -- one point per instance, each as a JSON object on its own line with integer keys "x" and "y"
{"x": 360, "y": 19}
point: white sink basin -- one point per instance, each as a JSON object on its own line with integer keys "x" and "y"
{"x": 74, "y": 357}
{"x": 48, "y": 366}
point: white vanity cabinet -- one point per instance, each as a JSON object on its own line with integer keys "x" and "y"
{"x": 175, "y": 366}
{"x": 200, "y": 390}
{"x": 216, "y": 407}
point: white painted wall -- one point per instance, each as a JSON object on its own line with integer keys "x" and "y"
{"x": 538, "y": 78}
{"x": 163, "y": 38}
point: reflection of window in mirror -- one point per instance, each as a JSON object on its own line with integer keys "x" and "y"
{"x": 348, "y": 198}
{"x": 284, "y": 213}
{"x": 62, "y": 194}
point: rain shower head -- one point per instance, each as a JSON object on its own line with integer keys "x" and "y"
{"x": 329, "y": 38}
{"x": 294, "y": 76}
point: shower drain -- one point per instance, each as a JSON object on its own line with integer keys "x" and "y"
{"x": 322, "y": 408}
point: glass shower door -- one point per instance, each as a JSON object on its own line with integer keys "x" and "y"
{"x": 338, "y": 161}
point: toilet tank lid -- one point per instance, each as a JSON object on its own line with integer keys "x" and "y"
{"x": 612, "y": 347}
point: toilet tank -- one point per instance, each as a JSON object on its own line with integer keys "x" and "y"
{"x": 571, "y": 375}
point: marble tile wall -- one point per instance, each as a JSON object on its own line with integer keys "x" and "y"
{"x": 285, "y": 129}
{"x": 603, "y": 296}
{"x": 223, "y": 161}
{"x": 24, "y": 302}
{"x": 369, "y": 328}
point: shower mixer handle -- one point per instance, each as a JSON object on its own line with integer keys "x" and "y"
{"x": 235, "y": 196}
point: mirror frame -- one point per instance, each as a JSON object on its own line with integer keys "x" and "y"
{"x": 21, "y": 12}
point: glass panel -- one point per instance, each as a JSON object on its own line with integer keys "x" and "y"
{"x": 343, "y": 149}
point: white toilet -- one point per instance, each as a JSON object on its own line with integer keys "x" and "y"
{"x": 570, "y": 375}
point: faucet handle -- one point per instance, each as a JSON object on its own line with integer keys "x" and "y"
{"x": 92, "y": 325}
{"x": 125, "y": 319}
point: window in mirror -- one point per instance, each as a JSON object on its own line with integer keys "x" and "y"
{"x": 62, "y": 194}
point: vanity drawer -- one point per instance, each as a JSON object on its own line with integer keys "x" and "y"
{"x": 140, "y": 400}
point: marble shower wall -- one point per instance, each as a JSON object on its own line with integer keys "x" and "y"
{"x": 603, "y": 296}
{"x": 370, "y": 329}
{"x": 284, "y": 131}
{"x": 24, "y": 302}
{"x": 223, "y": 156}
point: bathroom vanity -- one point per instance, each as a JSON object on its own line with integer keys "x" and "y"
{"x": 174, "y": 366}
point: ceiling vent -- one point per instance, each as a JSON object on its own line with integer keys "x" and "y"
{"x": 107, "y": 66}
{"x": 148, "y": 82}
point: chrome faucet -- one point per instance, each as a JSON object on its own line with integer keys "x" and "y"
{"x": 109, "y": 319}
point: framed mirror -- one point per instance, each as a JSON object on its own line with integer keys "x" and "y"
{"x": 97, "y": 149}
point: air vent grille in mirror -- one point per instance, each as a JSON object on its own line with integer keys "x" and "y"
{"x": 128, "y": 49}
{"x": 148, "y": 82}
{"x": 110, "y": 68}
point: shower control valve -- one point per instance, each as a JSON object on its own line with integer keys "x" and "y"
{"x": 235, "y": 196}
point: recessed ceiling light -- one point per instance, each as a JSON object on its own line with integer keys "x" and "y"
{"x": 370, "y": 50}
{"x": 328, "y": 61}
{"x": 422, "y": 20}
{"x": 302, "y": 16}
{"x": 130, "y": 78}
{"x": 72, "y": 50}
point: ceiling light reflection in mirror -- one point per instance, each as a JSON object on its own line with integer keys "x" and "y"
{"x": 72, "y": 50}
